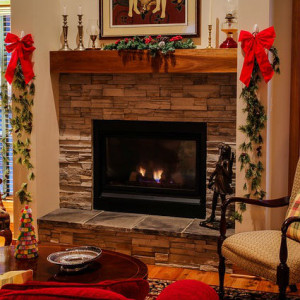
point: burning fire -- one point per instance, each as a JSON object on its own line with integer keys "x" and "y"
{"x": 142, "y": 171}
{"x": 157, "y": 175}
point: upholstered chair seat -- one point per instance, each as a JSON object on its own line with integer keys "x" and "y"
{"x": 257, "y": 252}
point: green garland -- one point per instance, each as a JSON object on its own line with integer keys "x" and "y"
{"x": 21, "y": 123}
{"x": 250, "y": 158}
{"x": 5, "y": 137}
{"x": 164, "y": 45}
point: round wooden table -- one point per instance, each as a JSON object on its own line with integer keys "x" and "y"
{"x": 110, "y": 266}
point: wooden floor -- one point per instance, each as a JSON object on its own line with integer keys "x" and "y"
{"x": 211, "y": 278}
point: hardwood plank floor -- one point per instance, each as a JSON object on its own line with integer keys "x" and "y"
{"x": 212, "y": 278}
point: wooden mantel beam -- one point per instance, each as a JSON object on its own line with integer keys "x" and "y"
{"x": 109, "y": 62}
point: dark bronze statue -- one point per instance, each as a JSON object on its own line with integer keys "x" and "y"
{"x": 220, "y": 181}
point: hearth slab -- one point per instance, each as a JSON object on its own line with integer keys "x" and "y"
{"x": 161, "y": 225}
{"x": 115, "y": 220}
{"x": 154, "y": 239}
{"x": 130, "y": 222}
{"x": 194, "y": 230}
{"x": 70, "y": 216}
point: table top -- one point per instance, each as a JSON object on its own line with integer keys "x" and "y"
{"x": 110, "y": 266}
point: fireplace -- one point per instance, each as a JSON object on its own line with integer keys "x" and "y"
{"x": 150, "y": 167}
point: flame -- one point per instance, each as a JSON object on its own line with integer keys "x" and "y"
{"x": 157, "y": 175}
{"x": 142, "y": 171}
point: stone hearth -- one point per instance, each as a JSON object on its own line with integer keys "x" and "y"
{"x": 153, "y": 239}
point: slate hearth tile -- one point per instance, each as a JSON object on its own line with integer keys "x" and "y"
{"x": 195, "y": 231}
{"x": 163, "y": 225}
{"x": 69, "y": 215}
{"x": 118, "y": 220}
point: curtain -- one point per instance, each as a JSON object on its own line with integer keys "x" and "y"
{"x": 6, "y": 157}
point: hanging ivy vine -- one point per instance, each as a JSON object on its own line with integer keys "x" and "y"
{"x": 5, "y": 136}
{"x": 21, "y": 122}
{"x": 251, "y": 148}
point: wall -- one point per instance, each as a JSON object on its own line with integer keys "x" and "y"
{"x": 90, "y": 9}
{"x": 275, "y": 97}
{"x": 43, "y": 20}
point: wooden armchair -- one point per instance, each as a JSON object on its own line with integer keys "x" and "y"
{"x": 267, "y": 253}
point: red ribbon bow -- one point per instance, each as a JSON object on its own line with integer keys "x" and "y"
{"x": 21, "y": 50}
{"x": 254, "y": 46}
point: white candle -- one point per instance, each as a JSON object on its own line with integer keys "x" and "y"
{"x": 210, "y": 13}
{"x": 79, "y": 10}
{"x": 65, "y": 11}
{"x": 22, "y": 34}
{"x": 255, "y": 28}
{"x": 93, "y": 30}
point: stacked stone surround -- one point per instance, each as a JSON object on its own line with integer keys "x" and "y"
{"x": 207, "y": 98}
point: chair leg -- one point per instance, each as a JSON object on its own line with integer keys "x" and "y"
{"x": 282, "y": 292}
{"x": 283, "y": 273}
{"x": 221, "y": 276}
{"x": 293, "y": 288}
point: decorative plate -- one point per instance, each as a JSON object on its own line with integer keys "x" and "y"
{"x": 75, "y": 259}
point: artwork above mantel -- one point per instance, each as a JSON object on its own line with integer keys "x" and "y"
{"x": 114, "y": 62}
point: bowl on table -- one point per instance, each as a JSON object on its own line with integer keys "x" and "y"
{"x": 75, "y": 259}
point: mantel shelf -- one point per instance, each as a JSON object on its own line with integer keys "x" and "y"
{"x": 109, "y": 62}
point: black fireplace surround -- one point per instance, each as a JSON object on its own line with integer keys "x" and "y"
{"x": 150, "y": 167}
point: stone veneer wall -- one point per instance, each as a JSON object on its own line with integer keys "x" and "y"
{"x": 207, "y": 98}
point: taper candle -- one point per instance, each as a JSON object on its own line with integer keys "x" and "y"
{"x": 65, "y": 11}
{"x": 79, "y": 10}
{"x": 255, "y": 28}
{"x": 210, "y": 13}
{"x": 22, "y": 34}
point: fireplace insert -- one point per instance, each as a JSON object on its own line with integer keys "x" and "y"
{"x": 150, "y": 167}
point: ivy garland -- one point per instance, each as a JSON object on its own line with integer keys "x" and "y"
{"x": 21, "y": 123}
{"x": 4, "y": 140}
{"x": 162, "y": 44}
{"x": 250, "y": 158}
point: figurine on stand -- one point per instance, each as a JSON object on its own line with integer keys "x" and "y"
{"x": 220, "y": 182}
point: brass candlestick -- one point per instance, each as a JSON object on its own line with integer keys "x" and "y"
{"x": 65, "y": 27}
{"x": 209, "y": 37}
{"x": 80, "y": 33}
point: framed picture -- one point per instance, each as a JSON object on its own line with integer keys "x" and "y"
{"x": 125, "y": 18}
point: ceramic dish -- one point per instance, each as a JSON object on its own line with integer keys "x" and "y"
{"x": 75, "y": 259}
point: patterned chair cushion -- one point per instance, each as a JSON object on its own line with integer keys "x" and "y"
{"x": 296, "y": 185}
{"x": 258, "y": 253}
{"x": 294, "y": 211}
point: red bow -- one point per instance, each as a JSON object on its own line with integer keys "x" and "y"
{"x": 21, "y": 50}
{"x": 254, "y": 47}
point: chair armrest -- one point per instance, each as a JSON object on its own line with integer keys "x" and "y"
{"x": 289, "y": 221}
{"x": 280, "y": 202}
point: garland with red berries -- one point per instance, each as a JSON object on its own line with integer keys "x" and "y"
{"x": 159, "y": 44}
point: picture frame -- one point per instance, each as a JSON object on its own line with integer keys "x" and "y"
{"x": 127, "y": 18}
